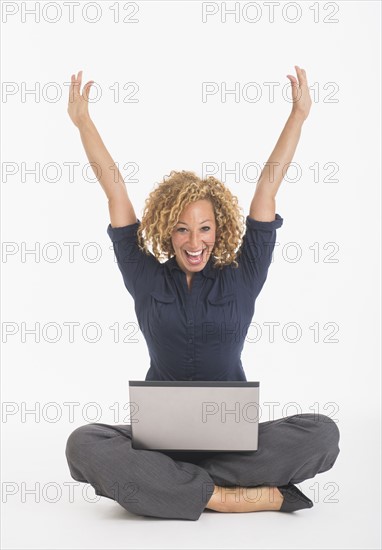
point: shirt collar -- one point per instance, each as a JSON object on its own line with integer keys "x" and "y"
{"x": 208, "y": 270}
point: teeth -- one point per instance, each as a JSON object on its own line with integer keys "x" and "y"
{"x": 195, "y": 253}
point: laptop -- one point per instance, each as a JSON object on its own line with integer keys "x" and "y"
{"x": 194, "y": 416}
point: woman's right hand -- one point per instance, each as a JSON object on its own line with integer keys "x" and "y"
{"x": 78, "y": 104}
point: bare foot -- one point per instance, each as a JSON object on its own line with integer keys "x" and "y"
{"x": 245, "y": 499}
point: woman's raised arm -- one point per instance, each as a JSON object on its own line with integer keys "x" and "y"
{"x": 120, "y": 207}
{"x": 263, "y": 205}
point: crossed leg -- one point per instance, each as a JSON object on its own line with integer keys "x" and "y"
{"x": 291, "y": 450}
{"x": 153, "y": 483}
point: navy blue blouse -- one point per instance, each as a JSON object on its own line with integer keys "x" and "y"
{"x": 195, "y": 334}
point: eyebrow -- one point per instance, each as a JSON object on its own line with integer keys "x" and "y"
{"x": 200, "y": 222}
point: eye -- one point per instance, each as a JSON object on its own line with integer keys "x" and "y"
{"x": 180, "y": 229}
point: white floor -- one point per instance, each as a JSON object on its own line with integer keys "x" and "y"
{"x": 77, "y": 523}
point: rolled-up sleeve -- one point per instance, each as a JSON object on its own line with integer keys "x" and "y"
{"x": 134, "y": 264}
{"x": 255, "y": 253}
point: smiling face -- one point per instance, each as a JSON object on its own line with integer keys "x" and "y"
{"x": 195, "y": 232}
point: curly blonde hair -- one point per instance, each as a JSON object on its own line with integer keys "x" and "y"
{"x": 165, "y": 204}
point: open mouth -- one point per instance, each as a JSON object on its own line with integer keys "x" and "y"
{"x": 195, "y": 259}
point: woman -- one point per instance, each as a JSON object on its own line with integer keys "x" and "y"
{"x": 194, "y": 311}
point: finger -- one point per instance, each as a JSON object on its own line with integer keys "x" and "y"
{"x": 295, "y": 87}
{"x": 301, "y": 75}
{"x": 292, "y": 79}
{"x": 72, "y": 87}
{"x": 79, "y": 78}
{"x": 87, "y": 89}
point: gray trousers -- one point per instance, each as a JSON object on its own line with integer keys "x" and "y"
{"x": 178, "y": 485}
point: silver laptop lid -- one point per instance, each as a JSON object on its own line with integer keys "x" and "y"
{"x": 194, "y": 416}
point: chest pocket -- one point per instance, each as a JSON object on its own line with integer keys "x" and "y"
{"x": 223, "y": 309}
{"x": 161, "y": 307}
{"x": 162, "y": 297}
{"x": 221, "y": 300}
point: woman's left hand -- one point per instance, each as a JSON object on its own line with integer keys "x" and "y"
{"x": 300, "y": 93}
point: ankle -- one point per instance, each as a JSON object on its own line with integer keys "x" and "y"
{"x": 245, "y": 499}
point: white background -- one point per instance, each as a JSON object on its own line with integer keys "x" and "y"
{"x": 169, "y": 52}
